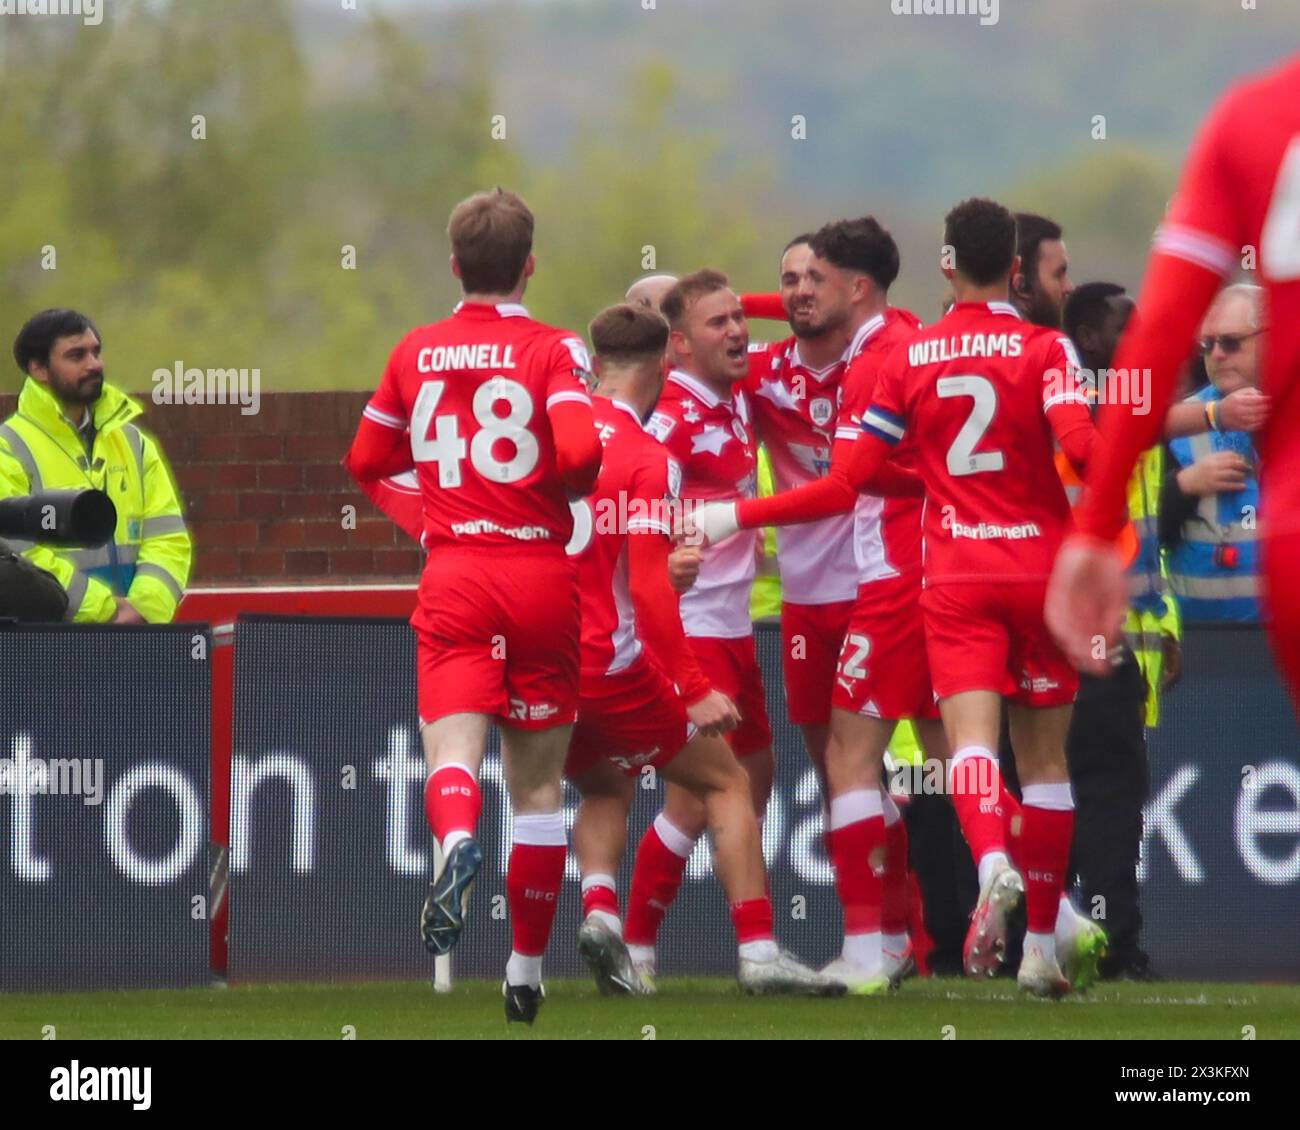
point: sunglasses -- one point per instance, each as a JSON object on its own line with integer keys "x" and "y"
{"x": 1229, "y": 343}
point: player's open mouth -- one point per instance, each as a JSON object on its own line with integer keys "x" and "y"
{"x": 736, "y": 353}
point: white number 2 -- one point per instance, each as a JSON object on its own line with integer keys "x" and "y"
{"x": 1280, "y": 240}
{"x": 962, "y": 459}
{"x": 448, "y": 448}
{"x": 851, "y": 665}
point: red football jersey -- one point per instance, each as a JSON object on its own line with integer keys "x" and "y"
{"x": 710, "y": 438}
{"x": 886, "y": 531}
{"x": 474, "y": 390}
{"x": 634, "y": 494}
{"x": 975, "y": 392}
{"x": 795, "y": 412}
{"x": 1239, "y": 192}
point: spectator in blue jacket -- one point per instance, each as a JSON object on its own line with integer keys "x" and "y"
{"x": 1209, "y": 515}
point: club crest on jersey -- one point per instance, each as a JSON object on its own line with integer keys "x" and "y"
{"x": 822, "y": 411}
{"x": 690, "y": 413}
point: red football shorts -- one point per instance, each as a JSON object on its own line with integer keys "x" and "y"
{"x": 811, "y": 637}
{"x": 633, "y": 718}
{"x": 498, "y": 634}
{"x": 732, "y": 667}
{"x": 991, "y": 637}
{"x": 883, "y": 669}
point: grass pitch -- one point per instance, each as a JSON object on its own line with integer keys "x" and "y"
{"x": 685, "y": 1008}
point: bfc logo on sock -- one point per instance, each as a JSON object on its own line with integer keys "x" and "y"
{"x": 539, "y": 896}
{"x": 456, "y": 790}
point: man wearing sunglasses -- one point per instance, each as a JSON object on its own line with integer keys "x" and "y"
{"x": 1210, "y": 507}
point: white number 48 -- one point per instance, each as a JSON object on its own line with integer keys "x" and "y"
{"x": 448, "y": 449}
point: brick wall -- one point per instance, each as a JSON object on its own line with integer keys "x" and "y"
{"x": 264, "y": 494}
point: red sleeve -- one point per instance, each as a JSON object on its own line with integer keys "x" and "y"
{"x": 1065, "y": 403}
{"x": 377, "y": 451}
{"x": 658, "y": 615}
{"x": 1195, "y": 248}
{"x": 658, "y": 612}
{"x": 577, "y": 445}
{"x": 381, "y": 446}
{"x": 836, "y": 493}
{"x": 767, "y": 306}
{"x": 399, "y": 502}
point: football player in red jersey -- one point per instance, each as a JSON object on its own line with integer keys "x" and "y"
{"x": 858, "y": 260}
{"x": 491, "y": 411}
{"x": 630, "y": 714}
{"x": 703, "y": 419}
{"x": 984, "y": 396}
{"x": 1239, "y": 191}
{"x": 795, "y": 387}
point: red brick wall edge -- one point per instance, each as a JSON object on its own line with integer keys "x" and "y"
{"x": 265, "y": 495}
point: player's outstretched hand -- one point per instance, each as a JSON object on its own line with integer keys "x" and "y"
{"x": 1086, "y": 600}
{"x": 684, "y": 567}
{"x": 1245, "y": 410}
{"x": 707, "y": 523}
{"x": 714, "y": 714}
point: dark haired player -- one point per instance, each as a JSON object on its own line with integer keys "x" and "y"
{"x": 630, "y": 714}
{"x": 984, "y": 396}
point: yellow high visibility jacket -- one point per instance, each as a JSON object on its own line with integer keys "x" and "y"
{"x": 148, "y": 561}
{"x": 765, "y": 599}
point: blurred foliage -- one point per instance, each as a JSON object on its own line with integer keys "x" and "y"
{"x": 228, "y": 251}
{"x": 328, "y": 129}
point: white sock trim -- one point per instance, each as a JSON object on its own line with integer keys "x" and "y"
{"x": 539, "y": 829}
{"x": 854, "y": 807}
{"x": 451, "y": 839}
{"x": 893, "y": 814}
{"x": 1055, "y": 798}
{"x": 672, "y": 837}
{"x": 455, "y": 765}
{"x": 968, "y": 751}
{"x": 590, "y": 881}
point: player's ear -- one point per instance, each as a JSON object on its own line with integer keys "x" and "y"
{"x": 530, "y": 265}
{"x": 455, "y": 267}
{"x": 1019, "y": 283}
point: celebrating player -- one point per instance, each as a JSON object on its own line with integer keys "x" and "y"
{"x": 491, "y": 410}
{"x": 1240, "y": 190}
{"x": 983, "y": 395}
{"x": 630, "y": 715}
{"x": 704, "y": 421}
{"x": 795, "y": 388}
{"x": 853, "y": 262}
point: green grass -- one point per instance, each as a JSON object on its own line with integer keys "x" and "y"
{"x": 684, "y": 1009}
